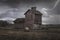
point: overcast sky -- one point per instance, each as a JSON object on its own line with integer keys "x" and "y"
{"x": 12, "y": 9}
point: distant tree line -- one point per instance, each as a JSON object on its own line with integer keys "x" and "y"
{"x": 3, "y": 23}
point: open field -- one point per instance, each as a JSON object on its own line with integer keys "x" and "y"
{"x": 20, "y": 35}
{"x": 7, "y": 34}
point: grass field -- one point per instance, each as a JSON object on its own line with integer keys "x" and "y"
{"x": 7, "y": 34}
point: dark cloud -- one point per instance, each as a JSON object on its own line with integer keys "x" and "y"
{"x": 15, "y": 3}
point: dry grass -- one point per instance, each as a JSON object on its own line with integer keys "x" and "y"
{"x": 21, "y": 35}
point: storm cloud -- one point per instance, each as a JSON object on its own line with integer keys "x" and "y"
{"x": 12, "y": 9}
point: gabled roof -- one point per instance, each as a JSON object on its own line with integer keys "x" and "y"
{"x": 19, "y": 20}
{"x": 38, "y": 12}
{"x": 27, "y": 11}
{"x": 35, "y": 11}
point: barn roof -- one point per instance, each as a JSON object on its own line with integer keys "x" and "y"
{"x": 33, "y": 10}
{"x": 19, "y": 20}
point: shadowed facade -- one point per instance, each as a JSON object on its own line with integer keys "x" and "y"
{"x": 33, "y": 18}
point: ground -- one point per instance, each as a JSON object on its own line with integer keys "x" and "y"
{"x": 13, "y": 34}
